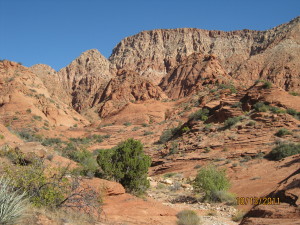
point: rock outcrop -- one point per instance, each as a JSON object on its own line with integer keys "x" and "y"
{"x": 246, "y": 55}
{"x": 192, "y": 74}
{"x": 85, "y": 77}
{"x": 126, "y": 87}
{"x": 50, "y": 79}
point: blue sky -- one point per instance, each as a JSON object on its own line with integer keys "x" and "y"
{"x": 55, "y": 32}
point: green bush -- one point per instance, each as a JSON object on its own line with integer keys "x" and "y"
{"x": 267, "y": 84}
{"x": 201, "y": 114}
{"x": 238, "y": 216}
{"x": 231, "y": 87}
{"x": 261, "y": 107}
{"x": 231, "y": 121}
{"x": 236, "y": 105}
{"x": 276, "y": 110}
{"x": 28, "y": 136}
{"x": 282, "y": 132}
{"x": 51, "y": 141}
{"x": 292, "y": 112}
{"x": 31, "y": 179}
{"x": 168, "y": 134}
{"x": 211, "y": 180}
{"x": 127, "y": 124}
{"x": 185, "y": 129}
{"x": 126, "y": 164}
{"x": 294, "y": 93}
{"x": 188, "y": 217}
{"x": 39, "y": 118}
{"x": 146, "y": 133}
{"x": 13, "y": 204}
{"x": 174, "y": 148}
{"x": 283, "y": 150}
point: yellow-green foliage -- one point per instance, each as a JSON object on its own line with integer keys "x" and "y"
{"x": 188, "y": 217}
{"x": 43, "y": 190}
{"x": 212, "y": 182}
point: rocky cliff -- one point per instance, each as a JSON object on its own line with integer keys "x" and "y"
{"x": 85, "y": 77}
{"x": 246, "y": 55}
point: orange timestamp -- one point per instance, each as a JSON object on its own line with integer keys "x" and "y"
{"x": 257, "y": 201}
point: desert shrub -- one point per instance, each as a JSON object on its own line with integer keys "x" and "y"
{"x": 294, "y": 93}
{"x": 174, "y": 148}
{"x": 39, "y": 118}
{"x": 82, "y": 141}
{"x": 146, "y": 133}
{"x": 145, "y": 125}
{"x": 251, "y": 123}
{"x": 276, "y": 110}
{"x": 165, "y": 136}
{"x": 283, "y": 150}
{"x": 13, "y": 203}
{"x": 292, "y": 112}
{"x": 236, "y": 105}
{"x": 29, "y": 136}
{"x": 267, "y": 84}
{"x": 207, "y": 149}
{"x": 135, "y": 128}
{"x": 223, "y": 196}
{"x": 127, "y": 124}
{"x": 188, "y": 217}
{"x": 168, "y": 175}
{"x": 126, "y": 164}
{"x": 1, "y": 137}
{"x": 261, "y": 107}
{"x": 96, "y": 138}
{"x": 231, "y": 121}
{"x": 210, "y": 180}
{"x": 201, "y": 114}
{"x": 175, "y": 187}
{"x": 185, "y": 129}
{"x": 231, "y": 87}
{"x": 168, "y": 134}
{"x": 51, "y": 141}
{"x": 282, "y": 132}
{"x": 238, "y": 216}
{"x": 51, "y": 188}
{"x": 32, "y": 180}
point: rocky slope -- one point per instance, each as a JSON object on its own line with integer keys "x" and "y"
{"x": 192, "y": 74}
{"x": 126, "y": 87}
{"x": 24, "y": 97}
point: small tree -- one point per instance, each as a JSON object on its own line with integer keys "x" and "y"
{"x": 126, "y": 164}
{"x": 211, "y": 180}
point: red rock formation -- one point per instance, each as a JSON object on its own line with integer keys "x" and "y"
{"x": 246, "y": 55}
{"x": 126, "y": 87}
{"x": 192, "y": 74}
{"x": 85, "y": 77}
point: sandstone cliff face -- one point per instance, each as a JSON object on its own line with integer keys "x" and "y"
{"x": 50, "y": 79}
{"x": 126, "y": 87}
{"x": 192, "y": 74}
{"x": 85, "y": 77}
{"x": 246, "y": 55}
